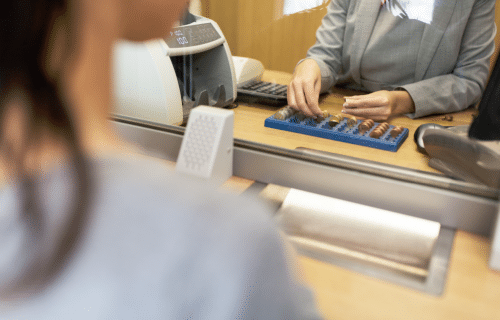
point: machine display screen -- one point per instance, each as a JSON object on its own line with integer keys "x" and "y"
{"x": 192, "y": 35}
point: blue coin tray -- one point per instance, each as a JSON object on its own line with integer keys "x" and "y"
{"x": 340, "y": 132}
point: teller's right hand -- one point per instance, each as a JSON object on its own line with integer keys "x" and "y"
{"x": 304, "y": 89}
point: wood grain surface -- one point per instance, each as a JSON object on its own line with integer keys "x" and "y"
{"x": 472, "y": 290}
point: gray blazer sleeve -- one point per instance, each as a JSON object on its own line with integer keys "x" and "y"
{"x": 452, "y": 79}
{"x": 327, "y": 51}
{"x": 464, "y": 85}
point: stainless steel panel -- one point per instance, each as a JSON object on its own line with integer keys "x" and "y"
{"x": 467, "y": 207}
{"x": 431, "y": 280}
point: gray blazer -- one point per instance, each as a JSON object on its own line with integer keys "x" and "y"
{"x": 452, "y": 64}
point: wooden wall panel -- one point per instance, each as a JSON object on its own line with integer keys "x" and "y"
{"x": 224, "y": 12}
{"x": 292, "y": 36}
{"x": 255, "y": 29}
{"x": 258, "y": 29}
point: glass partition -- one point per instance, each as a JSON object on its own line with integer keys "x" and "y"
{"x": 278, "y": 33}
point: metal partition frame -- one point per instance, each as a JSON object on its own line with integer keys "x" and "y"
{"x": 455, "y": 204}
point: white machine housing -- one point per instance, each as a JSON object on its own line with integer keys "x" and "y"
{"x": 162, "y": 80}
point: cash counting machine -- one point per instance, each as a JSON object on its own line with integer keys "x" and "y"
{"x": 161, "y": 80}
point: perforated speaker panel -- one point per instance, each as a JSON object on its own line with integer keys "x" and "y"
{"x": 207, "y": 146}
{"x": 199, "y": 142}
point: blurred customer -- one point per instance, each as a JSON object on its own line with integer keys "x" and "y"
{"x": 92, "y": 229}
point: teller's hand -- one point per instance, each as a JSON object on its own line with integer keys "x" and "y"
{"x": 303, "y": 90}
{"x": 379, "y": 105}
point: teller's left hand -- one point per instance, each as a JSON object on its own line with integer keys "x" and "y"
{"x": 379, "y": 105}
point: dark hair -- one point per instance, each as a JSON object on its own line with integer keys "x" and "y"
{"x": 24, "y": 25}
{"x": 487, "y": 124}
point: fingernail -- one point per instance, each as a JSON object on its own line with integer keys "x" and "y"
{"x": 345, "y": 105}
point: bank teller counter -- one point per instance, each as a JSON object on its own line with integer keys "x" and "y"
{"x": 448, "y": 277}
{"x": 347, "y": 284}
{"x": 425, "y": 269}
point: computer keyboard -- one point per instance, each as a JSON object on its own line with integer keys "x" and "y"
{"x": 263, "y": 92}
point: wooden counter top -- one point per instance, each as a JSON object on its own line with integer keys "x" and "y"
{"x": 472, "y": 290}
{"x": 249, "y": 125}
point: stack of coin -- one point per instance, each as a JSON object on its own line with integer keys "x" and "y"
{"x": 396, "y": 131}
{"x": 335, "y": 120}
{"x": 379, "y": 130}
{"x": 285, "y": 113}
{"x": 365, "y": 126}
{"x": 322, "y": 117}
{"x": 350, "y": 120}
